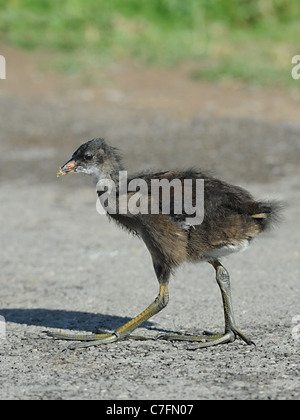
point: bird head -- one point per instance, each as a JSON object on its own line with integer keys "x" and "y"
{"x": 95, "y": 158}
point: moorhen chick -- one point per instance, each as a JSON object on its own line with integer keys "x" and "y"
{"x": 231, "y": 218}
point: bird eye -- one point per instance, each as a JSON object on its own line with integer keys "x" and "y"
{"x": 88, "y": 156}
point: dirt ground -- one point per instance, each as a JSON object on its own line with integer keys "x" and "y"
{"x": 66, "y": 268}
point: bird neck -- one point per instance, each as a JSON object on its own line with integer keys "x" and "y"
{"x": 110, "y": 170}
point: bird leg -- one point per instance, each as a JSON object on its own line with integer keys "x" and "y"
{"x": 96, "y": 339}
{"x": 231, "y": 332}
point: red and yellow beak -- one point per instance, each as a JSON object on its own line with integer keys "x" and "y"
{"x": 67, "y": 168}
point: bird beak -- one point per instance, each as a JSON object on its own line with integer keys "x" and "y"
{"x": 67, "y": 168}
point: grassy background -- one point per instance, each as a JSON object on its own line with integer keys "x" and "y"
{"x": 249, "y": 40}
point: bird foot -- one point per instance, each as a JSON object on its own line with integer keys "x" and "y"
{"x": 206, "y": 340}
{"x": 86, "y": 340}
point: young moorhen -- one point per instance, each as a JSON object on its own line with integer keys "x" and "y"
{"x": 231, "y": 219}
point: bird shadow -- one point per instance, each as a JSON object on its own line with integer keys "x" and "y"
{"x": 70, "y": 320}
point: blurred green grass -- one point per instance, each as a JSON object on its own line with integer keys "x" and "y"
{"x": 252, "y": 41}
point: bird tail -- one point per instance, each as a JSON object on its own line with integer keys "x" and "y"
{"x": 267, "y": 214}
